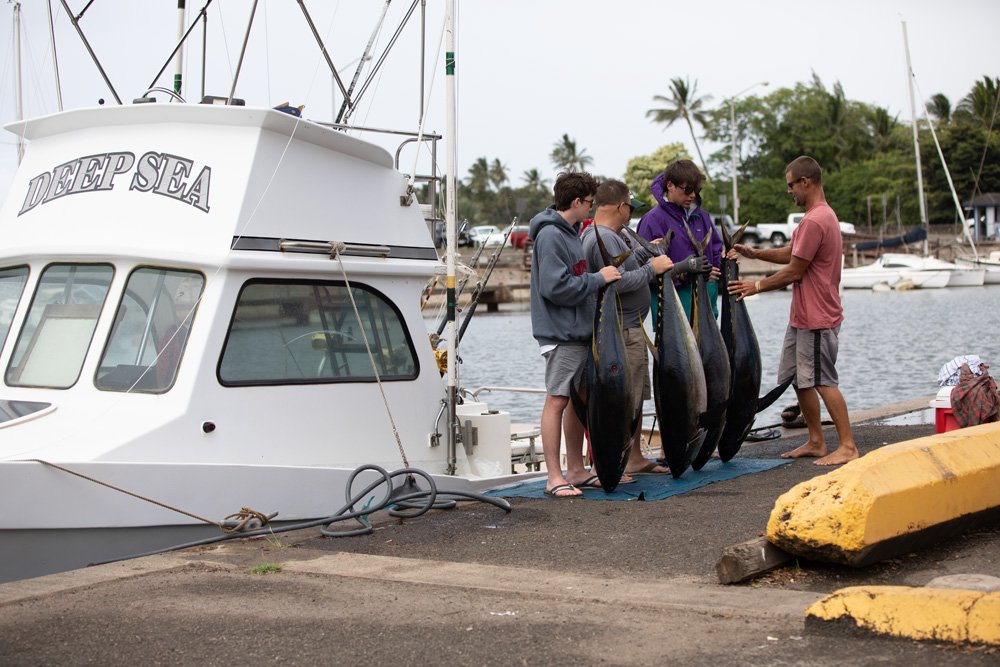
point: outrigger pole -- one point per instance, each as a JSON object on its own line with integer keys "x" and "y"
{"x": 75, "y": 20}
{"x": 454, "y": 435}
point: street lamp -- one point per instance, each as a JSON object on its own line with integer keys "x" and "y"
{"x": 732, "y": 127}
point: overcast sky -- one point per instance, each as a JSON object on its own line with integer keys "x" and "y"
{"x": 529, "y": 71}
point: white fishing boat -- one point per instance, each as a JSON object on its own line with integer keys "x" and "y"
{"x": 211, "y": 307}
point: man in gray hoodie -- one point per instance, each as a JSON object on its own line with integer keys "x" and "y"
{"x": 563, "y": 298}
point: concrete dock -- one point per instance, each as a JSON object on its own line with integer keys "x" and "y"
{"x": 555, "y": 582}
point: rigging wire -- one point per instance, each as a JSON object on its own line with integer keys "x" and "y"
{"x": 403, "y": 497}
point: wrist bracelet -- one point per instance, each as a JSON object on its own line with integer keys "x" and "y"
{"x": 756, "y": 286}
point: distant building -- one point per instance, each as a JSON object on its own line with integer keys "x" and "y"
{"x": 985, "y": 216}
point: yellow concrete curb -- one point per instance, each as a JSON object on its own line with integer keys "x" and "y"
{"x": 892, "y": 499}
{"x": 938, "y": 614}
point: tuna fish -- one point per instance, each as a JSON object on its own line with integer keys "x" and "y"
{"x": 744, "y": 359}
{"x": 678, "y": 376}
{"x": 715, "y": 361}
{"x": 609, "y": 412}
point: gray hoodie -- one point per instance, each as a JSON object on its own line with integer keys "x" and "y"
{"x": 563, "y": 291}
{"x": 633, "y": 288}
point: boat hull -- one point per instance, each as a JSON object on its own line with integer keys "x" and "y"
{"x": 39, "y": 537}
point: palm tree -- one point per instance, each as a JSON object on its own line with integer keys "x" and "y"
{"x": 479, "y": 176}
{"x": 498, "y": 174}
{"x": 883, "y": 124}
{"x": 566, "y": 157}
{"x": 939, "y": 106}
{"x": 682, "y": 103}
{"x": 533, "y": 181}
{"x": 982, "y": 101}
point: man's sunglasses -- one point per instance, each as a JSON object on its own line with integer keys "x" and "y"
{"x": 689, "y": 190}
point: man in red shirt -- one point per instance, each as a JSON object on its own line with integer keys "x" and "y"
{"x": 812, "y": 267}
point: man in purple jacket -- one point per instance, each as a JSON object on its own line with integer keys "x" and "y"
{"x": 677, "y": 191}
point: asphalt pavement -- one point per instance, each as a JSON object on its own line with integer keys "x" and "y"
{"x": 554, "y": 582}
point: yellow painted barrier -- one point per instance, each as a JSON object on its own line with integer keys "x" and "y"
{"x": 893, "y": 499}
{"x": 938, "y": 614}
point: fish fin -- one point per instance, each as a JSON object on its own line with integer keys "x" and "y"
{"x": 727, "y": 240}
{"x": 605, "y": 255}
{"x": 649, "y": 344}
{"x": 579, "y": 405}
{"x": 643, "y": 243}
{"x": 768, "y": 399}
{"x": 739, "y": 233}
{"x": 618, "y": 260}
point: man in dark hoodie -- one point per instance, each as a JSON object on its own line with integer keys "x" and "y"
{"x": 563, "y": 298}
{"x": 677, "y": 192}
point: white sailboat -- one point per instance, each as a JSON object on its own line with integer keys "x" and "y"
{"x": 907, "y": 271}
{"x": 211, "y": 307}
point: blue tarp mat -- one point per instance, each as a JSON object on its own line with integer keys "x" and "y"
{"x": 653, "y": 487}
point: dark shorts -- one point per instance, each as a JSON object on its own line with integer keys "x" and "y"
{"x": 809, "y": 357}
{"x": 563, "y": 367}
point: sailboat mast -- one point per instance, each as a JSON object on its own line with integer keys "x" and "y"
{"x": 916, "y": 140}
{"x": 450, "y": 214}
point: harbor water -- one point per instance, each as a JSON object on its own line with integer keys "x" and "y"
{"x": 892, "y": 345}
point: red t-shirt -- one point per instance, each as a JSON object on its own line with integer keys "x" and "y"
{"x": 816, "y": 298}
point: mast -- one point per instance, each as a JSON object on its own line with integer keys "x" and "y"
{"x": 179, "y": 60}
{"x": 55, "y": 58}
{"x": 452, "y": 159}
{"x": 17, "y": 77}
{"x": 916, "y": 141}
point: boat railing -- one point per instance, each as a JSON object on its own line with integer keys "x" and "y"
{"x": 432, "y": 179}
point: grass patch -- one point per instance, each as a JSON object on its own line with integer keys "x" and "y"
{"x": 266, "y": 568}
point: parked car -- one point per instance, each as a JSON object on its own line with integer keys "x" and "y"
{"x": 487, "y": 235}
{"x": 518, "y": 236}
{"x": 464, "y": 237}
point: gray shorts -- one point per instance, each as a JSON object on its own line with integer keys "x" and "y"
{"x": 809, "y": 357}
{"x": 563, "y": 367}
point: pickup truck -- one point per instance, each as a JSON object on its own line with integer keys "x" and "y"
{"x": 779, "y": 235}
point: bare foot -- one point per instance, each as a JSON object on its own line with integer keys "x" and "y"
{"x": 840, "y": 455}
{"x": 645, "y": 467}
{"x": 806, "y": 450}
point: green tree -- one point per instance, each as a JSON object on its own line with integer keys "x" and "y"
{"x": 533, "y": 180}
{"x": 980, "y": 105}
{"x": 567, "y": 157}
{"x": 682, "y": 103}
{"x": 478, "y": 180}
{"x": 498, "y": 174}
{"x": 939, "y": 107}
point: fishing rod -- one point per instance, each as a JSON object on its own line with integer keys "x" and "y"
{"x": 429, "y": 288}
{"x": 481, "y": 285}
{"x": 461, "y": 283}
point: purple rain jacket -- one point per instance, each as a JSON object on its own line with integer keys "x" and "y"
{"x": 655, "y": 223}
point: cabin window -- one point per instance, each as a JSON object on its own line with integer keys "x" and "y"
{"x": 296, "y": 333}
{"x": 150, "y": 330}
{"x": 12, "y": 282}
{"x": 54, "y": 340}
